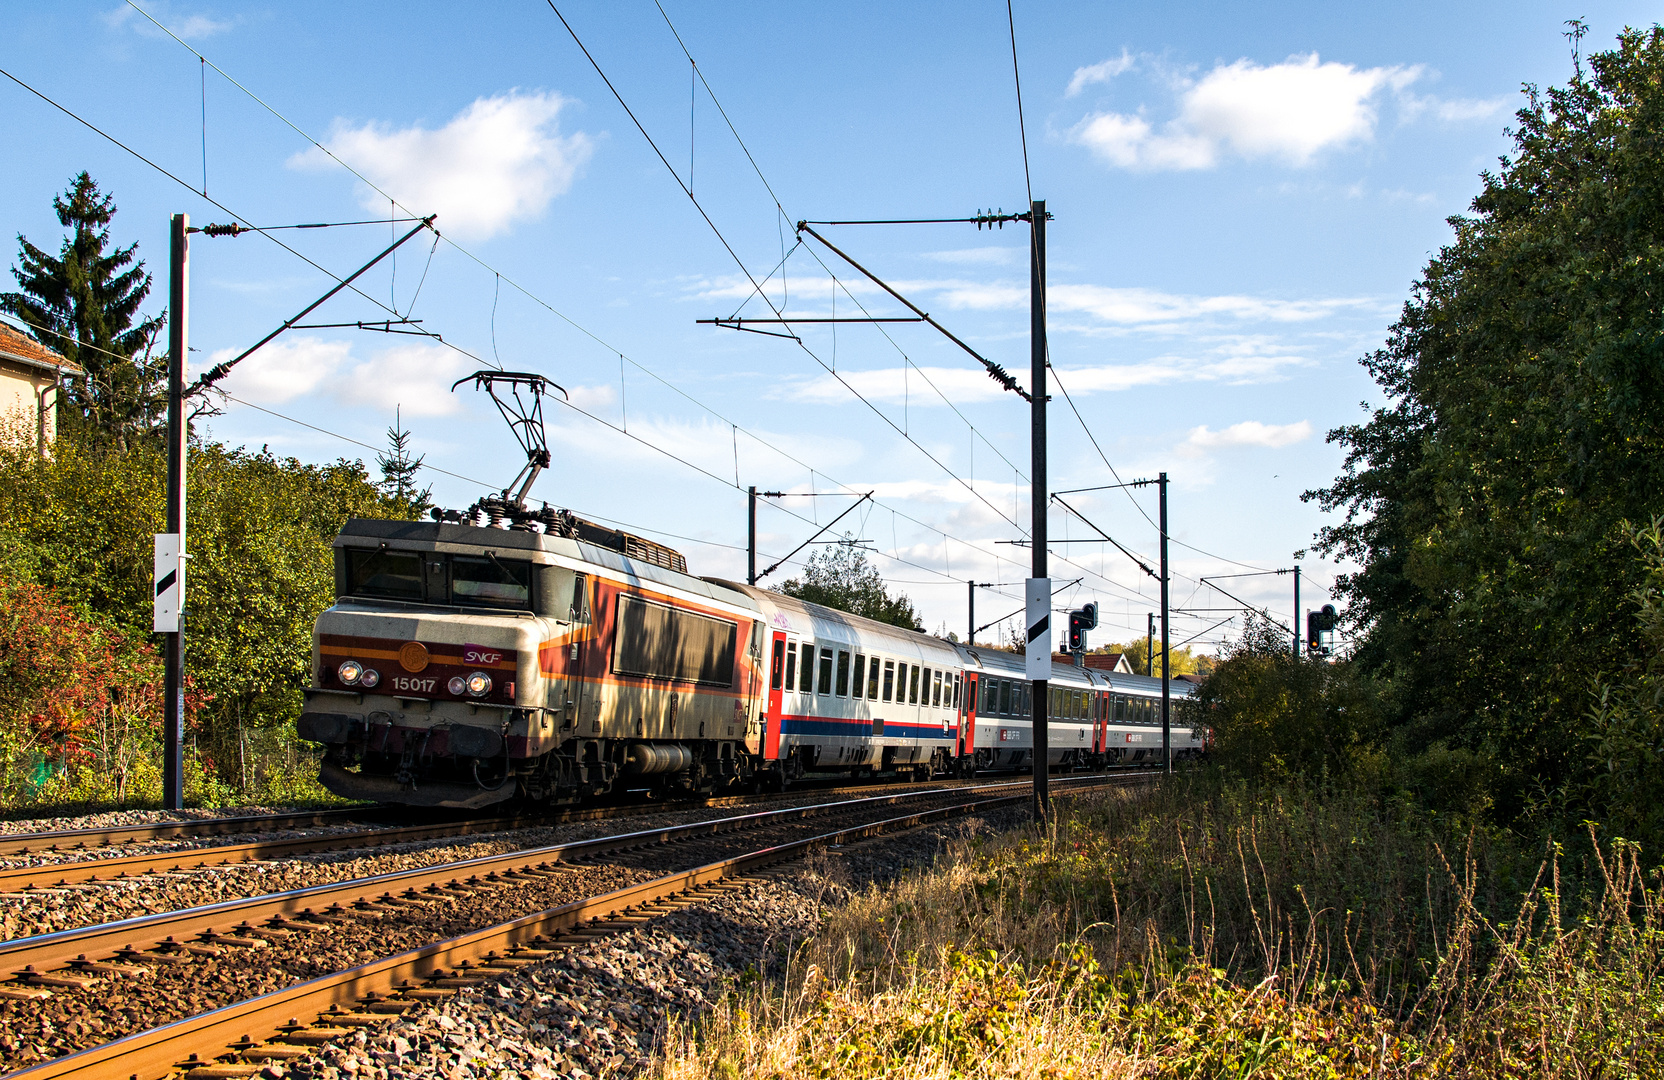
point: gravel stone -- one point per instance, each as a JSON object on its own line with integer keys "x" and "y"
{"x": 602, "y": 1008}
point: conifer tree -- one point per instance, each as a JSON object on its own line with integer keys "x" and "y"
{"x": 398, "y": 470}
{"x": 84, "y": 303}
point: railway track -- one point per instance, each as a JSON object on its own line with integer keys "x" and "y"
{"x": 24, "y": 879}
{"x": 708, "y": 854}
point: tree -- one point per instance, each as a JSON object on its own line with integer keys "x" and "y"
{"x": 840, "y": 577}
{"x": 1273, "y": 716}
{"x": 84, "y": 304}
{"x": 399, "y": 469}
{"x": 1186, "y": 661}
{"x": 1486, "y": 501}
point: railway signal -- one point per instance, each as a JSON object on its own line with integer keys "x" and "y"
{"x": 1320, "y": 629}
{"x": 1080, "y": 621}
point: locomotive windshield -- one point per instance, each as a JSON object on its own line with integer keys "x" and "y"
{"x": 393, "y": 574}
{"x": 462, "y": 580}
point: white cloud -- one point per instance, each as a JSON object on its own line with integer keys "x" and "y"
{"x": 283, "y": 370}
{"x": 1449, "y": 110}
{"x": 1249, "y": 433}
{"x": 1099, "y": 73}
{"x": 1289, "y": 111}
{"x": 977, "y": 256}
{"x": 188, "y": 27}
{"x": 1234, "y": 361}
{"x": 592, "y": 399}
{"x": 498, "y": 161}
{"x": 1143, "y": 307}
{"x": 416, "y": 378}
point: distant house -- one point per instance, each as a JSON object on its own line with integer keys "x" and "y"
{"x": 30, "y": 375}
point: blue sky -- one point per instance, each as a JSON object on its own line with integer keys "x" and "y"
{"x": 1243, "y": 196}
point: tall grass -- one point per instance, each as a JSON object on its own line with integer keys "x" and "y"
{"x": 1203, "y": 931}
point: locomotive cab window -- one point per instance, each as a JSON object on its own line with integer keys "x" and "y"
{"x": 396, "y": 575}
{"x": 491, "y": 582}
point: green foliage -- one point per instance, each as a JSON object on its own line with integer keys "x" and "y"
{"x": 1272, "y": 716}
{"x": 1203, "y": 930}
{"x": 1625, "y": 787}
{"x": 839, "y": 576}
{"x": 1485, "y": 502}
{"x": 84, "y": 304}
{"x": 1186, "y": 661}
{"x": 398, "y": 472}
{"x": 259, "y": 532}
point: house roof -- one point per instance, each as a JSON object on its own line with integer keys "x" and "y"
{"x": 23, "y": 349}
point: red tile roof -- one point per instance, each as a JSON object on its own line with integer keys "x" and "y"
{"x": 17, "y": 346}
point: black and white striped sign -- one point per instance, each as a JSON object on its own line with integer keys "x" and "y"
{"x": 169, "y": 583}
{"x": 1037, "y": 592}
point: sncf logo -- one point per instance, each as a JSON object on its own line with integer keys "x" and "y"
{"x": 473, "y": 654}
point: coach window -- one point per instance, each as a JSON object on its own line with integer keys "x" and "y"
{"x": 956, "y": 682}
{"x": 872, "y": 680}
{"x": 825, "y": 671}
{"x": 901, "y": 683}
{"x": 913, "y": 682}
{"x": 889, "y": 677}
{"x": 777, "y": 670}
{"x": 791, "y": 668}
{"x": 860, "y": 685}
{"x": 806, "y": 673}
{"x": 843, "y": 673}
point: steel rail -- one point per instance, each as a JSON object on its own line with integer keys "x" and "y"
{"x": 195, "y": 1042}
{"x": 13, "y": 844}
{"x": 47, "y": 875}
{"x": 32, "y": 957}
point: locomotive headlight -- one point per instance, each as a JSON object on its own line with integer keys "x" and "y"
{"x": 479, "y": 684}
{"x": 457, "y": 684}
{"x": 369, "y": 679}
{"x": 350, "y": 672}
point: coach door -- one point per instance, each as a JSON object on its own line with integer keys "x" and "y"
{"x": 967, "y": 716}
{"x": 776, "y": 680}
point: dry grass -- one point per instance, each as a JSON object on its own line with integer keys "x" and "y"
{"x": 1204, "y": 932}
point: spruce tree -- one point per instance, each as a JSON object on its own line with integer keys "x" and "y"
{"x": 84, "y": 304}
{"x": 398, "y": 471}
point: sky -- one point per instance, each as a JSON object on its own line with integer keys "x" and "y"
{"x": 1242, "y": 198}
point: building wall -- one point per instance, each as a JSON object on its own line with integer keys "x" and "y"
{"x": 21, "y": 389}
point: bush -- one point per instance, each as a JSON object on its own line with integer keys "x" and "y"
{"x": 1206, "y": 931}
